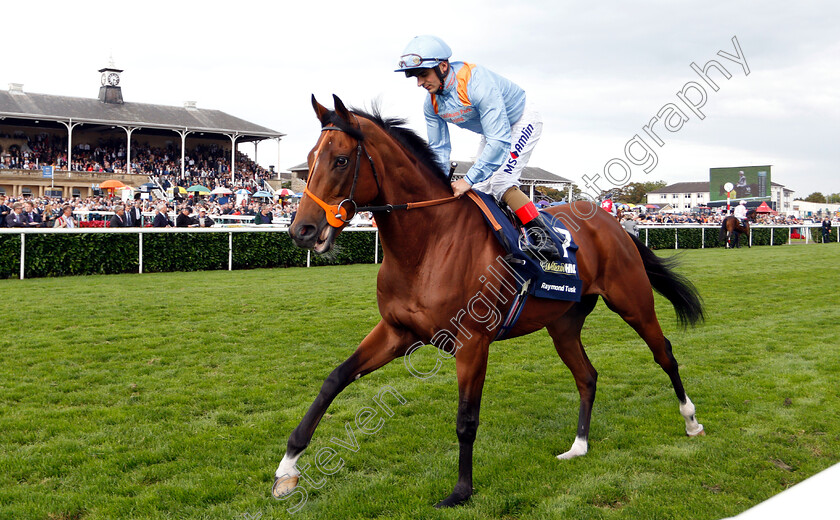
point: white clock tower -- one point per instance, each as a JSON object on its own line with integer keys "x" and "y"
{"x": 110, "y": 91}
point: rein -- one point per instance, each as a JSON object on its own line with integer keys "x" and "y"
{"x": 337, "y": 214}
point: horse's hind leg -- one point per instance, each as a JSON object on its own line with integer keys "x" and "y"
{"x": 565, "y": 332}
{"x": 637, "y": 309}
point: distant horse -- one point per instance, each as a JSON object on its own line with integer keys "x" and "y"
{"x": 732, "y": 227}
{"x": 432, "y": 288}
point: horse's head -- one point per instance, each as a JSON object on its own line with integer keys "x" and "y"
{"x": 341, "y": 176}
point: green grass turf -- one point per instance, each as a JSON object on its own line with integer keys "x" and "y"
{"x": 172, "y": 396}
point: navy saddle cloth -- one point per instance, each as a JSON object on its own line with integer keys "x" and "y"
{"x": 553, "y": 280}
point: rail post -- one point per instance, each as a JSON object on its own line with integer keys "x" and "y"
{"x": 230, "y": 251}
{"x": 22, "y": 253}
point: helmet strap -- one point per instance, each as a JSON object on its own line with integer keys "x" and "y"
{"x": 441, "y": 76}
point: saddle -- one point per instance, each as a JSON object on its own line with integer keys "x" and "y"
{"x": 544, "y": 278}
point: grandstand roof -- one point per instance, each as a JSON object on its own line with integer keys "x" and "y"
{"x": 17, "y": 104}
{"x": 530, "y": 175}
{"x": 684, "y": 187}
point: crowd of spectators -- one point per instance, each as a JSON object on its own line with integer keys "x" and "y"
{"x": 46, "y": 211}
{"x": 207, "y": 164}
{"x": 711, "y": 219}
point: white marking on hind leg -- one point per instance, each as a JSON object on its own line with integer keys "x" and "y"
{"x": 692, "y": 427}
{"x": 287, "y": 466}
{"x": 580, "y": 447}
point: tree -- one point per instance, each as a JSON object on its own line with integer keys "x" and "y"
{"x": 558, "y": 195}
{"x": 815, "y": 197}
{"x": 635, "y": 192}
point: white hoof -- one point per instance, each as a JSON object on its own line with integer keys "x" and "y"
{"x": 692, "y": 427}
{"x": 580, "y": 447}
{"x": 283, "y": 485}
{"x": 696, "y": 431}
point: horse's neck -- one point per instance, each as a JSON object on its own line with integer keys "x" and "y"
{"x": 410, "y": 234}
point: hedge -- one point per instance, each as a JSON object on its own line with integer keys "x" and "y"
{"x": 101, "y": 253}
{"x": 105, "y": 253}
{"x": 691, "y": 238}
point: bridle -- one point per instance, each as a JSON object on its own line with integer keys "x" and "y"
{"x": 337, "y": 213}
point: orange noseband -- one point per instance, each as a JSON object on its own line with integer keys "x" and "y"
{"x": 336, "y": 214}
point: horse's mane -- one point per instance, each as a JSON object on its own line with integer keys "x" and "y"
{"x": 395, "y": 127}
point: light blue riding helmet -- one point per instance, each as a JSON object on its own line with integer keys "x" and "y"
{"x": 423, "y": 52}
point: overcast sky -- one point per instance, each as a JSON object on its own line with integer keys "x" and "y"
{"x": 598, "y": 71}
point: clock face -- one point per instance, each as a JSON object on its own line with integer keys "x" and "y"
{"x": 113, "y": 79}
{"x": 104, "y": 79}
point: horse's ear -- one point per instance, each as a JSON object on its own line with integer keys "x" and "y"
{"x": 340, "y": 109}
{"x": 320, "y": 110}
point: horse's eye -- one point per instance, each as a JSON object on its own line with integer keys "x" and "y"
{"x": 341, "y": 161}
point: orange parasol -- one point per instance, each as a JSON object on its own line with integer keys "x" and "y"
{"x": 111, "y": 185}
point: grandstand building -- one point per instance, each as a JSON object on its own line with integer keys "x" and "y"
{"x": 686, "y": 196}
{"x": 29, "y": 123}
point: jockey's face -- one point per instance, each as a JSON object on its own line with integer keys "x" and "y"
{"x": 429, "y": 80}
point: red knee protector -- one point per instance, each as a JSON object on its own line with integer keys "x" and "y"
{"x": 527, "y": 213}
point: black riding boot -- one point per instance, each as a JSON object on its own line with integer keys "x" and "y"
{"x": 539, "y": 243}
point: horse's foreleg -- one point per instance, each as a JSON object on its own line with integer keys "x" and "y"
{"x": 471, "y": 365}
{"x": 382, "y": 345}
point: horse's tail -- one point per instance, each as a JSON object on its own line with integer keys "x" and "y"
{"x": 682, "y": 294}
{"x": 722, "y": 236}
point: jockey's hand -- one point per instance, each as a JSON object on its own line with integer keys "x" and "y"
{"x": 460, "y": 187}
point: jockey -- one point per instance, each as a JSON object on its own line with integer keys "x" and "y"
{"x": 474, "y": 98}
{"x": 741, "y": 212}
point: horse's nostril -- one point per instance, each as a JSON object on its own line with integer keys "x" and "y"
{"x": 306, "y": 232}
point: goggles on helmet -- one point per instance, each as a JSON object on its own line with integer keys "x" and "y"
{"x": 414, "y": 60}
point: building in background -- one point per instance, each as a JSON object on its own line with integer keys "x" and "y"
{"x": 687, "y": 196}
{"x": 28, "y": 118}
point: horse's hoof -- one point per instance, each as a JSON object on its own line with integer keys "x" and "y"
{"x": 701, "y": 433}
{"x": 455, "y": 499}
{"x": 284, "y": 485}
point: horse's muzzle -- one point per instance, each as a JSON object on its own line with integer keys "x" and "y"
{"x": 311, "y": 236}
{"x": 304, "y": 235}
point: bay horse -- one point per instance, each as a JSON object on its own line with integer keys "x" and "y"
{"x": 436, "y": 256}
{"x": 731, "y": 226}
